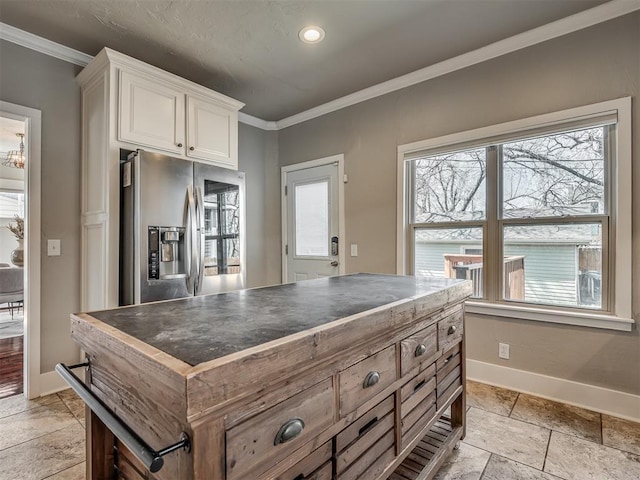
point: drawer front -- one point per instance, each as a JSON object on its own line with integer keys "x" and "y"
{"x": 418, "y": 399}
{"x": 373, "y": 462}
{"x": 323, "y": 473}
{"x": 358, "y": 437}
{"x": 262, "y": 441}
{"x": 418, "y": 349}
{"x": 450, "y": 330}
{"x": 366, "y": 379}
{"x": 311, "y": 466}
{"x": 448, "y": 356}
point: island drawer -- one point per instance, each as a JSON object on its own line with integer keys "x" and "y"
{"x": 373, "y": 461}
{"x": 418, "y": 349}
{"x": 364, "y": 380}
{"x": 358, "y": 437}
{"x": 450, "y": 330}
{"x": 260, "y": 442}
{"x": 314, "y": 466}
{"x": 418, "y": 399}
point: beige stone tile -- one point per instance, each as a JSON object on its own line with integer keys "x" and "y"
{"x": 34, "y": 423}
{"x": 466, "y": 463}
{"x": 500, "y": 468}
{"x": 513, "y": 439}
{"x": 19, "y": 403}
{"x": 43, "y": 456}
{"x": 492, "y": 399}
{"x": 74, "y": 473}
{"x": 73, "y": 403}
{"x": 558, "y": 416}
{"x": 621, "y": 434}
{"x": 573, "y": 458}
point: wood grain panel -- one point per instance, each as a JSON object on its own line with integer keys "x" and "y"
{"x": 11, "y": 366}
{"x": 251, "y": 446}
{"x": 311, "y": 466}
{"x": 410, "y": 357}
{"x": 352, "y": 390}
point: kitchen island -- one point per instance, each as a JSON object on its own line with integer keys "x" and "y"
{"x": 343, "y": 377}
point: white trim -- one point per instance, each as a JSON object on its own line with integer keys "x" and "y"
{"x": 42, "y": 45}
{"x": 622, "y": 320}
{"x": 341, "y": 219}
{"x": 32, "y": 189}
{"x": 52, "y": 382}
{"x": 256, "y": 122}
{"x": 587, "y": 18}
{"x": 564, "y": 26}
{"x": 603, "y": 400}
{"x": 584, "y": 319}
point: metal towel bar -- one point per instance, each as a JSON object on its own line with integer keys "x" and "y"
{"x": 150, "y": 458}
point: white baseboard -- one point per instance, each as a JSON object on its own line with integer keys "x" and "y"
{"x": 603, "y": 400}
{"x": 51, "y": 382}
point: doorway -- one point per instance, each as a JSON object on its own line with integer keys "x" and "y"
{"x": 19, "y": 250}
{"x": 313, "y": 219}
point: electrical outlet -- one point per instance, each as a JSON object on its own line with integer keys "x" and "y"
{"x": 503, "y": 350}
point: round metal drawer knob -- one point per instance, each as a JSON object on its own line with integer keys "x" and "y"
{"x": 452, "y": 330}
{"x": 290, "y": 430}
{"x": 179, "y": 145}
{"x": 371, "y": 379}
{"x": 420, "y": 350}
{"x": 192, "y": 148}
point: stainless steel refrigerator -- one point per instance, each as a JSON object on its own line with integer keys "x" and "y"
{"x": 181, "y": 228}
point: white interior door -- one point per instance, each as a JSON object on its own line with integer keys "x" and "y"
{"x": 313, "y": 246}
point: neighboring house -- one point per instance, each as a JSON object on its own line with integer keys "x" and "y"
{"x": 561, "y": 263}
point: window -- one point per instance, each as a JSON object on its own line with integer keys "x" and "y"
{"x": 533, "y": 216}
{"x": 11, "y": 204}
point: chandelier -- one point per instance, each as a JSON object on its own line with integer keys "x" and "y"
{"x": 15, "y": 158}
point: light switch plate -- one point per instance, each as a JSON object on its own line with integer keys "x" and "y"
{"x": 354, "y": 249}
{"x": 53, "y": 247}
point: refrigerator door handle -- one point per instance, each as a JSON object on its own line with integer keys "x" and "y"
{"x": 201, "y": 238}
{"x": 191, "y": 247}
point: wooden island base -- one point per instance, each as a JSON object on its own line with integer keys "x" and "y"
{"x": 373, "y": 395}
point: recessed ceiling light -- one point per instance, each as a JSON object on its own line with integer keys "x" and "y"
{"x": 311, "y": 34}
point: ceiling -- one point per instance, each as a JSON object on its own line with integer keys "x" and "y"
{"x": 249, "y": 50}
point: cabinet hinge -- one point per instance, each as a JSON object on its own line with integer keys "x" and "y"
{"x": 286, "y": 190}
{"x": 286, "y": 249}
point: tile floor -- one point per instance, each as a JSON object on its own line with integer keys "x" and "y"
{"x": 510, "y": 436}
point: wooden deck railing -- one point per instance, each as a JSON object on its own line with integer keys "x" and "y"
{"x": 470, "y": 267}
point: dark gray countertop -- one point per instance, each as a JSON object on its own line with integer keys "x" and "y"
{"x": 199, "y": 329}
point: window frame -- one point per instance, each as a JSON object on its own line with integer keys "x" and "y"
{"x": 617, "y": 273}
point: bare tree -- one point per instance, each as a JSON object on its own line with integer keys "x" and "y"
{"x": 548, "y": 175}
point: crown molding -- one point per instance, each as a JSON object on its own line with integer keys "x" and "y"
{"x": 564, "y": 26}
{"x": 256, "y": 122}
{"x": 42, "y": 45}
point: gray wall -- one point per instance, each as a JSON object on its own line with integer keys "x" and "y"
{"x": 42, "y": 82}
{"x": 597, "y": 64}
{"x": 258, "y": 158}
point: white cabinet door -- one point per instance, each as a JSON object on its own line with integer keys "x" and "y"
{"x": 212, "y": 132}
{"x": 151, "y": 113}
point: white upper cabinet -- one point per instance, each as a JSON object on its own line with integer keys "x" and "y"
{"x": 212, "y": 132}
{"x": 151, "y": 113}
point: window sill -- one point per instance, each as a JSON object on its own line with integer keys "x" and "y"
{"x": 583, "y": 319}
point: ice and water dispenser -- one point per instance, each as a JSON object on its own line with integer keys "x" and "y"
{"x": 166, "y": 253}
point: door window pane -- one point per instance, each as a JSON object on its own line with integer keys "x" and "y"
{"x": 221, "y": 228}
{"x": 445, "y": 252}
{"x": 554, "y": 175}
{"x": 312, "y": 219}
{"x": 554, "y": 264}
{"x": 450, "y": 187}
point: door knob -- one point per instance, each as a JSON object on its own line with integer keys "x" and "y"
{"x": 334, "y": 263}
